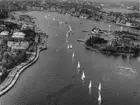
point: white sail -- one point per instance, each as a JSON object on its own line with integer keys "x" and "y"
{"x": 73, "y": 55}
{"x": 71, "y": 46}
{"x": 68, "y": 46}
{"x": 90, "y": 84}
{"x": 99, "y": 87}
{"x": 78, "y": 66}
{"x": 83, "y": 76}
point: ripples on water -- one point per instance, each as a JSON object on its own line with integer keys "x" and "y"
{"x": 58, "y": 86}
{"x": 126, "y": 72}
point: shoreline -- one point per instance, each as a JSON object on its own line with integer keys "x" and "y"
{"x": 17, "y": 74}
{"x": 95, "y": 49}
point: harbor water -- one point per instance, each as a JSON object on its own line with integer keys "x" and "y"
{"x": 53, "y": 79}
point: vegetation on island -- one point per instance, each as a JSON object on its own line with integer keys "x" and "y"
{"x": 123, "y": 43}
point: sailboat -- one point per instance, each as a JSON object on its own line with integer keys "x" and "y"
{"x": 70, "y": 46}
{"x": 90, "y": 84}
{"x": 78, "y": 66}
{"x": 99, "y": 87}
{"x": 73, "y": 55}
{"x": 83, "y": 76}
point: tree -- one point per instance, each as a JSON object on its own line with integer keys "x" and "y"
{"x": 3, "y": 14}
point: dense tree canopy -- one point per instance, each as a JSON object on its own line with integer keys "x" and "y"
{"x": 3, "y": 14}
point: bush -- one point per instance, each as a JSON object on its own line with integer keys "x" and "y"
{"x": 3, "y": 14}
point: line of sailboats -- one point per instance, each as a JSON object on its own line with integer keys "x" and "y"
{"x": 83, "y": 73}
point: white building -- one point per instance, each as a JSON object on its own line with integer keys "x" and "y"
{"x": 18, "y": 45}
{"x": 18, "y": 35}
{"x": 4, "y": 33}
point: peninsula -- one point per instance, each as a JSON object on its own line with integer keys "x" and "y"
{"x": 20, "y": 43}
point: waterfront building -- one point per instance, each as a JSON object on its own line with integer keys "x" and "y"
{"x": 18, "y": 45}
{"x": 18, "y": 35}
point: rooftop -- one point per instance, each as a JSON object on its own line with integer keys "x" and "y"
{"x": 18, "y": 35}
{"x": 3, "y": 33}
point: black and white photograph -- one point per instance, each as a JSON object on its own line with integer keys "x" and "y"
{"x": 69, "y": 52}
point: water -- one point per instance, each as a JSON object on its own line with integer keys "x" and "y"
{"x": 53, "y": 79}
{"x": 117, "y": 9}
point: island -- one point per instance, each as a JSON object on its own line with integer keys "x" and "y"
{"x": 115, "y": 42}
